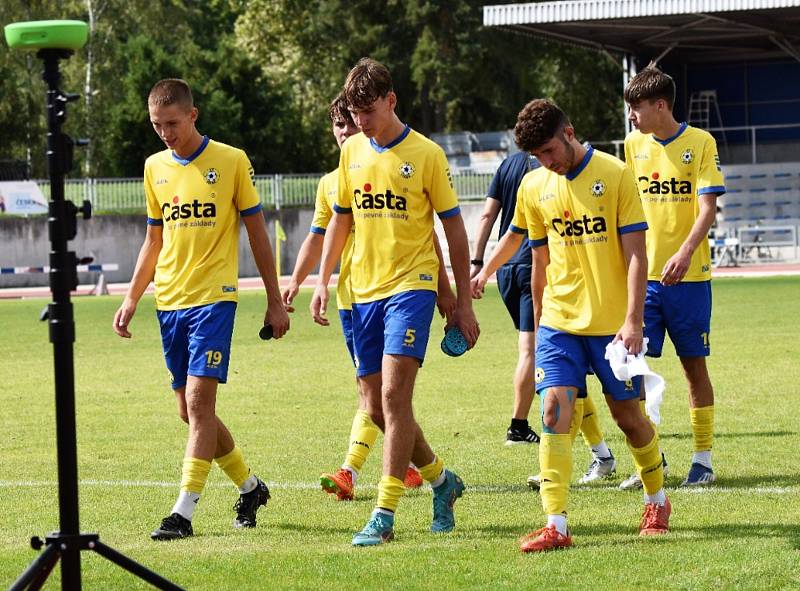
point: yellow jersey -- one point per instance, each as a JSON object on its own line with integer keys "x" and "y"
{"x": 198, "y": 202}
{"x": 392, "y": 192}
{"x": 580, "y": 217}
{"x": 323, "y": 212}
{"x": 672, "y": 175}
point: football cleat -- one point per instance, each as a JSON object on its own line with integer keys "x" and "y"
{"x": 174, "y": 527}
{"x": 633, "y": 482}
{"x": 444, "y": 497}
{"x": 655, "y": 520}
{"x": 534, "y": 482}
{"x": 248, "y": 504}
{"x": 516, "y": 436}
{"x": 379, "y": 530}
{"x": 599, "y": 468}
{"x": 340, "y": 483}
{"x": 547, "y": 538}
{"x": 699, "y": 475}
{"x": 413, "y": 478}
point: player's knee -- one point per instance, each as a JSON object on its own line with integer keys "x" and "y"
{"x": 628, "y": 421}
{"x": 183, "y": 414}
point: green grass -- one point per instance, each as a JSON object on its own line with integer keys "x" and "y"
{"x": 290, "y": 404}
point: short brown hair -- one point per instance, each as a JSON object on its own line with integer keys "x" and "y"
{"x": 537, "y": 123}
{"x": 171, "y": 91}
{"x": 367, "y": 82}
{"x": 338, "y": 110}
{"x": 650, "y": 84}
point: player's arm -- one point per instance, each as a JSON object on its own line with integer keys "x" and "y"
{"x": 678, "y": 264}
{"x": 541, "y": 258}
{"x": 491, "y": 210}
{"x": 505, "y": 249}
{"x": 308, "y": 258}
{"x": 143, "y": 274}
{"x": 631, "y": 333}
{"x": 464, "y": 316}
{"x": 445, "y": 298}
{"x": 276, "y": 315}
{"x": 333, "y": 245}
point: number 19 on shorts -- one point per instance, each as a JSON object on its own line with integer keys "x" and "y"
{"x": 213, "y": 358}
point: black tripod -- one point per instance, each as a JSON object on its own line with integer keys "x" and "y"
{"x": 68, "y": 542}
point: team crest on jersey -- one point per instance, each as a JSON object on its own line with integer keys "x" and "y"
{"x": 539, "y": 375}
{"x": 688, "y": 156}
{"x": 598, "y": 188}
{"x": 211, "y": 176}
{"x": 407, "y": 170}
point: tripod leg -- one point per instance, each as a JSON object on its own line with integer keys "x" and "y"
{"x": 134, "y": 567}
{"x": 38, "y": 570}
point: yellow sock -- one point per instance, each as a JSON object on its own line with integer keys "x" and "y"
{"x": 577, "y": 414}
{"x": 649, "y": 465}
{"x": 702, "y": 427}
{"x": 194, "y": 475}
{"x": 362, "y": 437}
{"x": 232, "y": 463}
{"x": 644, "y": 413}
{"x": 390, "y": 490}
{"x": 590, "y": 424}
{"x": 555, "y": 462}
{"x": 433, "y": 470}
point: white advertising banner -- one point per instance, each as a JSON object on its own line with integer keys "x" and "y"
{"x": 21, "y": 197}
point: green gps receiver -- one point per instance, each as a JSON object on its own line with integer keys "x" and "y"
{"x": 47, "y": 35}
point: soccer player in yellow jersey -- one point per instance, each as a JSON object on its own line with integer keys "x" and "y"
{"x": 197, "y": 190}
{"x": 678, "y": 173}
{"x": 585, "y": 224}
{"x": 391, "y": 181}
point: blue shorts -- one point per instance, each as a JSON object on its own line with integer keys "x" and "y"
{"x": 514, "y": 282}
{"x": 197, "y": 341}
{"x": 564, "y": 359}
{"x": 346, "y": 317}
{"x": 683, "y": 311}
{"x": 397, "y": 325}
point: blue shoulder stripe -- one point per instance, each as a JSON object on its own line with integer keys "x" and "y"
{"x": 154, "y": 222}
{"x": 449, "y": 213}
{"x": 338, "y": 209}
{"x": 317, "y": 230}
{"x": 632, "y": 228}
{"x": 250, "y": 210}
{"x": 538, "y": 242}
{"x": 517, "y": 229}
{"x": 719, "y": 190}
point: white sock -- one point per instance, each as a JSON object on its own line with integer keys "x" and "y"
{"x": 186, "y": 504}
{"x": 601, "y": 450}
{"x": 439, "y": 481}
{"x": 660, "y": 498}
{"x": 384, "y": 511}
{"x": 249, "y": 485}
{"x": 560, "y": 521}
{"x": 703, "y": 458}
{"x": 353, "y": 472}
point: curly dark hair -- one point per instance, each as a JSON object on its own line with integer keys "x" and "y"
{"x": 537, "y": 123}
{"x": 650, "y": 84}
{"x": 367, "y": 82}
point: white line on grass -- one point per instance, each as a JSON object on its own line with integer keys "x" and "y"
{"x": 479, "y": 488}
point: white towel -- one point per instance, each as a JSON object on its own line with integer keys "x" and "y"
{"x": 627, "y": 366}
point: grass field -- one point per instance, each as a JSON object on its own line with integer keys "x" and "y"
{"x": 290, "y": 404}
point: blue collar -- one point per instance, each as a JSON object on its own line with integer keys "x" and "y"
{"x": 379, "y": 149}
{"x": 197, "y": 152}
{"x": 681, "y": 129}
{"x": 572, "y": 174}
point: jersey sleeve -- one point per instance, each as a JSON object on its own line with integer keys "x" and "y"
{"x": 343, "y": 203}
{"x": 494, "y": 187}
{"x": 246, "y": 198}
{"x": 154, "y": 217}
{"x": 441, "y": 191}
{"x": 322, "y": 211}
{"x": 527, "y": 203}
{"x": 628, "y": 152}
{"x": 630, "y": 214}
{"x": 710, "y": 179}
{"x": 519, "y": 223}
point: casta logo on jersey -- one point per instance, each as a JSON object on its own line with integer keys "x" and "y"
{"x": 655, "y": 185}
{"x": 192, "y": 209}
{"x": 568, "y": 225}
{"x": 367, "y": 199}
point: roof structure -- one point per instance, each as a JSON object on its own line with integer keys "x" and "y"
{"x": 693, "y": 31}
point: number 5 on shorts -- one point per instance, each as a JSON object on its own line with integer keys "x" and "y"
{"x": 411, "y": 336}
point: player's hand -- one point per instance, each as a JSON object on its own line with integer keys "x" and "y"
{"x": 278, "y": 319}
{"x": 464, "y": 318}
{"x": 474, "y": 270}
{"x": 632, "y": 336}
{"x": 676, "y": 267}
{"x": 446, "y": 302}
{"x": 288, "y": 295}
{"x": 123, "y": 317}
{"x": 477, "y": 285}
{"x": 319, "y": 305}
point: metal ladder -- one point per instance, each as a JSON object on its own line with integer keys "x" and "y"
{"x": 700, "y": 104}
